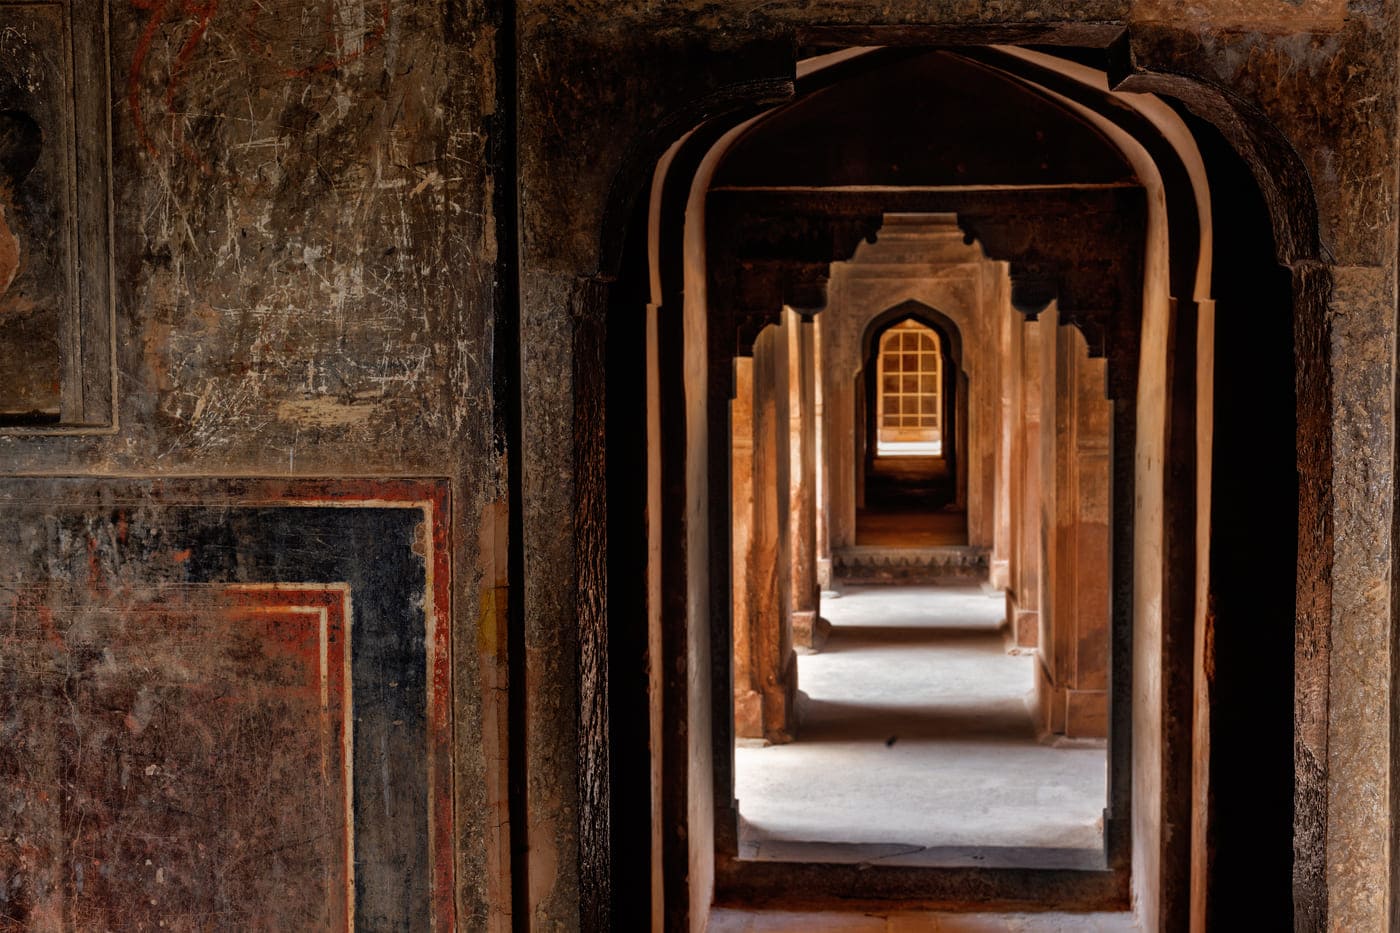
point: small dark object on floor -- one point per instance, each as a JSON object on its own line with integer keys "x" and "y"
{"x": 889, "y": 743}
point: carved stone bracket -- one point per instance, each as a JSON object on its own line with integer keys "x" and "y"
{"x": 765, "y": 288}
{"x": 1032, "y": 292}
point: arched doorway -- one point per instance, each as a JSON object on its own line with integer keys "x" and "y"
{"x": 1161, "y": 870}
{"x": 911, "y": 477}
{"x": 766, "y": 213}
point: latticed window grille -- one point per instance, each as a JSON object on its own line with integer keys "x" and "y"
{"x": 910, "y": 398}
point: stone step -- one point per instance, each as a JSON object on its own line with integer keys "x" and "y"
{"x": 930, "y": 565}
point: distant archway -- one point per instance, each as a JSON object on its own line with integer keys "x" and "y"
{"x": 952, "y": 397}
{"x": 909, "y": 417}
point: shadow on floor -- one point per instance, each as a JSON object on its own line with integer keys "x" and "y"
{"x": 915, "y": 738}
{"x": 767, "y": 848}
{"x": 856, "y": 638}
{"x": 909, "y": 484}
{"x": 908, "y": 503}
{"x": 834, "y": 721}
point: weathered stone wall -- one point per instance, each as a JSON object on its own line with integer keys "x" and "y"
{"x": 302, "y": 250}
{"x": 304, "y": 241}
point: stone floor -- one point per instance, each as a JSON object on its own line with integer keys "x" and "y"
{"x": 916, "y": 747}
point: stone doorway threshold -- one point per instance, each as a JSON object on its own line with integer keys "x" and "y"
{"x": 740, "y": 920}
{"x": 753, "y": 846}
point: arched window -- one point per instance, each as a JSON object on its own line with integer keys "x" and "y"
{"x": 910, "y": 400}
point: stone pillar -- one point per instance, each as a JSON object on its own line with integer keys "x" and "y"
{"x": 802, "y": 452}
{"x": 963, "y": 430}
{"x": 999, "y": 320}
{"x": 977, "y": 435}
{"x": 1023, "y": 595}
{"x": 822, "y": 495}
{"x": 841, "y": 407}
{"x": 1072, "y": 687}
{"x": 748, "y": 712}
{"x": 860, "y": 415}
{"x": 1086, "y": 698}
{"x": 764, "y": 699}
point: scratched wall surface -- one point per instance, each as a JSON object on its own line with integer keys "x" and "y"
{"x": 302, "y": 254}
{"x": 177, "y": 760}
{"x": 229, "y": 705}
{"x": 303, "y": 258}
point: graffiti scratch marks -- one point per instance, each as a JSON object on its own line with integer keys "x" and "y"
{"x": 347, "y": 32}
{"x": 166, "y": 748}
{"x": 228, "y": 704}
{"x": 203, "y": 13}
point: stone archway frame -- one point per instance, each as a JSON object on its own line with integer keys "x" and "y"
{"x": 1295, "y": 218}
{"x": 950, "y": 340}
{"x": 767, "y": 248}
{"x": 784, "y": 278}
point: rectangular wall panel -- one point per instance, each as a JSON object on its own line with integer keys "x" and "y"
{"x": 227, "y": 705}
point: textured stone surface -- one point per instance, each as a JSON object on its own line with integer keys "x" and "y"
{"x": 303, "y": 250}
{"x": 1358, "y": 847}
{"x": 305, "y": 240}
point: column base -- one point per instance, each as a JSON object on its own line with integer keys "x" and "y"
{"x": 1086, "y": 714}
{"x": 748, "y": 714}
{"x": 780, "y": 705}
{"x": 770, "y": 713}
{"x": 1022, "y": 625}
{"x": 1000, "y": 574}
{"x": 1074, "y": 714}
{"x": 809, "y": 631}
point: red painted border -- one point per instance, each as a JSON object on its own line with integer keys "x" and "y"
{"x": 281, "y": 601}
{"x": 433, "y": 496}
{"x": 430, "y": 494}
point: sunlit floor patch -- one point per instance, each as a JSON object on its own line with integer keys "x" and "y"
{"x": 916, "y": 746}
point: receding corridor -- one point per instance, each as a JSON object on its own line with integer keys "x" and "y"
{"x": 916, "y": 746}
